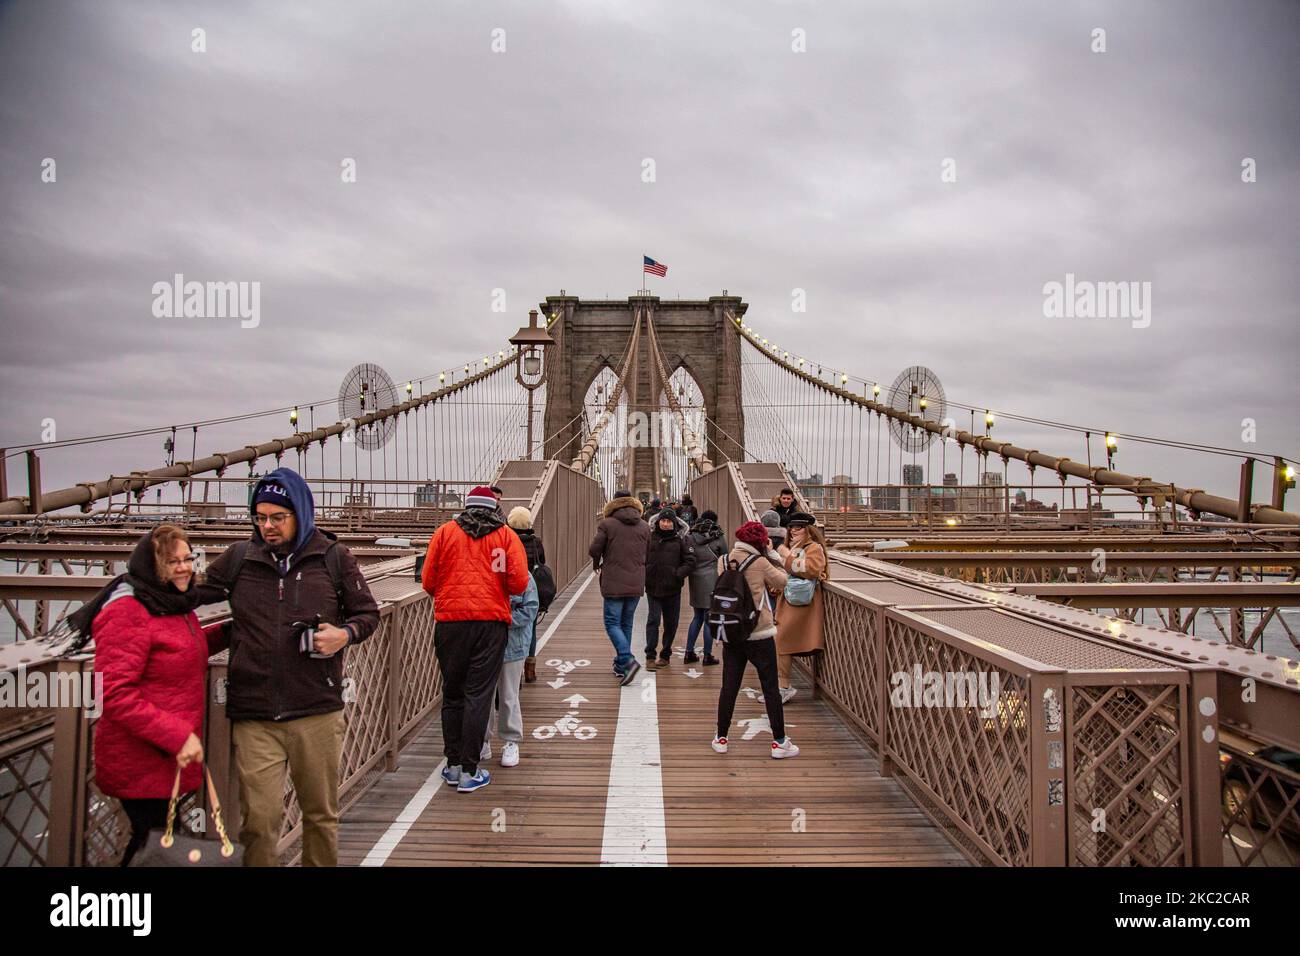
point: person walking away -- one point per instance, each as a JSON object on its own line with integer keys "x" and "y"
{"x": 521, "y": 520}
{"x": 297, "y": 599}
{"x": 508, "y": 717}
{"x": 668, "y": 563}
{"x": 687, "y": 511}
{"x": 151, "y": 659}
{"x": 618, "y": 553}
{"x": 801, "y": 609}
{"x": 473, "y": 566}
{"x": 760, "y": 571}
{"x": 710, "y": 544}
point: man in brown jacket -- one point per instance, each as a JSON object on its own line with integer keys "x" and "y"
{"x": 297, "y": 599}
{"x": 618, "y": 555}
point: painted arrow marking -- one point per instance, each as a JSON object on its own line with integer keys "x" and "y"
{"x": 756, "y": 725}
{"x": 749, "y": 692}
{"x": 575, "y": 700}
{"x": 693, "y": 673}
{"x": 558, "y": 683}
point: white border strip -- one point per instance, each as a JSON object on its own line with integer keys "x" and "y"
{"x": 635, "y": 832}
{"x": 384, "y": 846}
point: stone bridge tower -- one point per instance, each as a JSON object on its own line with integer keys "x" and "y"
{"x": 592, "y": 334}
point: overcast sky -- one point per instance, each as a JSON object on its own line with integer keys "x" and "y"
{"x": 775, "y": 170}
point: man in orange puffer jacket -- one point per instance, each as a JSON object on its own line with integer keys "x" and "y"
{"x": 473, "y": 565}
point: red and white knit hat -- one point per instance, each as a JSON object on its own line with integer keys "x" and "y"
{"x": 481, "y": 497}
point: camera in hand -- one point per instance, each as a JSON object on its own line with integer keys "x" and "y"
{"x": 307, "y": 637}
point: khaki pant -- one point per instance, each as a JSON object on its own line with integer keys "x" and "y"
{"x": 309, "y": 748}
{"x": 783, "y": 664}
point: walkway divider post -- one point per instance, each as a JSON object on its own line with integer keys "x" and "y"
{"x": 395, "y": 638}
{"x": 219, "y": 754}
{"x": 882, "y": 695}
{"x": 65, "y": 842}
{"x": 1201, "y": 736}
{"x": 1049, "y": 794}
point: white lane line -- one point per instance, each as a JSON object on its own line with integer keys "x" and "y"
{"x": 385, "y": 845}
{"x": 635, "y": 832}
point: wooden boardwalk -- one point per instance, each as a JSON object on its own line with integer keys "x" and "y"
{"x": 628, "y": 777}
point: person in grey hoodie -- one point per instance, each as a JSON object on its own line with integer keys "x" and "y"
{"x": 710, "y": 544}
{"x": 618, "y": 554}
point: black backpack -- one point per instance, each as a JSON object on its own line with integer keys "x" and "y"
{"x": 732, "y": 613}
{"x": 545, "y": 582}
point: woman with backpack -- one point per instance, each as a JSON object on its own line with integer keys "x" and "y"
{"x": 801, "y": 609}
{"x": 742, "y": 614}
{"x": 710, "y": 545}
{"x": 521, "y": 520}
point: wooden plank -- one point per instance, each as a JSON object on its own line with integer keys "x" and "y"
{"x": 827, "y": 807}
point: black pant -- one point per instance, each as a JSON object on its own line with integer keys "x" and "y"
{"x": 762, "y": 654}
{"x": 145, "y": 814}
{"x": 670, "y": 608}
{"x": 470, "y": 654}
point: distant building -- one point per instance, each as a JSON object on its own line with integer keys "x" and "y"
{"x": 992, "y": 500}
{"x": 886, "y": 498}
{"x": 810, "y": 488}
{"x": 850, "y": 497}
{"x": 950, "y": 491}
{"x": 914, "y": 476}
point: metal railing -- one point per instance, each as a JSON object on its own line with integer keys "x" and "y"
{"x": 51, "y": 812}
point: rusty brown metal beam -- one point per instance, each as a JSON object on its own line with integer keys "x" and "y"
{"x": 86, "y": 492}
{"x": 1191, "y": 498}
{"x": 1163, "y": 594}
{"x": 1084, "y": 559}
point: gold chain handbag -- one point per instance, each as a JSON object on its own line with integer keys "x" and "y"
{"x": 167, "y": 848}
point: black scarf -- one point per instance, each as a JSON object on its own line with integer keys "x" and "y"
{"x": 479, "y": 522}
{"x": 158, "y": 599}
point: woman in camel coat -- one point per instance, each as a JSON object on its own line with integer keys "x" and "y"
{"x": 799, "y": 628}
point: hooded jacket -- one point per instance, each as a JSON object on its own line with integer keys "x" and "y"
{"x": 532, "y": 547}
{"x": 710, "y": 544}
{"x": 669, "y": 560}
{"x": 153, "y": 665}
{"x": 473, "y": 565}
{"x": 618, "y": 551}
{"x": 523, "y": 614}
{"x": 269, "y": 677}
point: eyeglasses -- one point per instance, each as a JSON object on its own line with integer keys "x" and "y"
{"x": 276, "y": 519}
{"x": 177, "y": 562}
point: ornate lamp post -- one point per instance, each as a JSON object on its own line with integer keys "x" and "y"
{"x": 530, "y": 344}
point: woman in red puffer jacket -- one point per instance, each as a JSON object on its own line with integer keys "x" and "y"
{"x": 152, "y": 657}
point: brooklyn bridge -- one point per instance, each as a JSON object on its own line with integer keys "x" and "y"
{"x": 1137, "y": 630}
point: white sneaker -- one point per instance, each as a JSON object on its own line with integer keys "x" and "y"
{"x": 486, "y": 752}
{"x": 784, "y": 748}
{"x": 510, "y": 754}
{"x": 787, "y": 693}
{"x": 720, "y": 744}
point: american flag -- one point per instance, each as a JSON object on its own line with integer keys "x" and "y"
{"x": 654, "y": 268}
